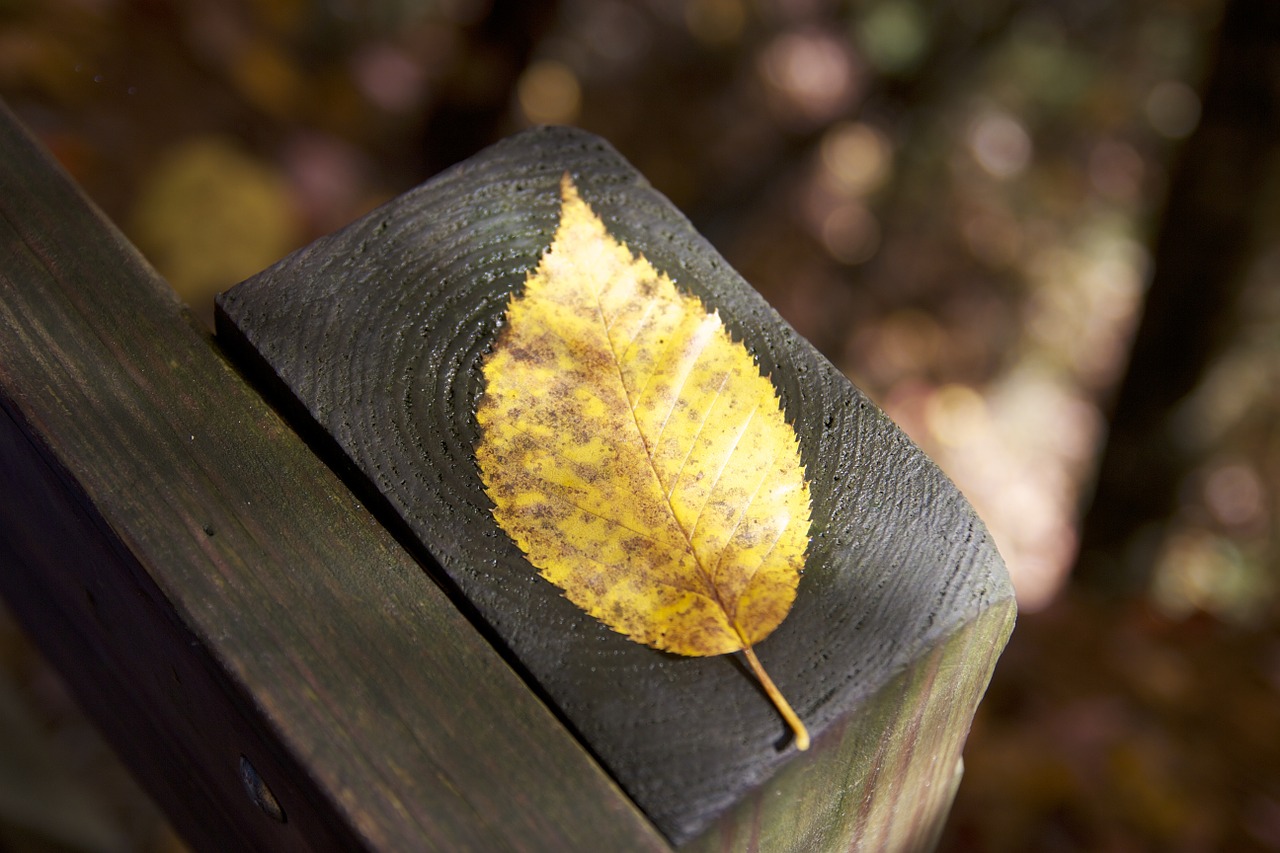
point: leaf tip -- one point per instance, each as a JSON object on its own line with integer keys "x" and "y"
{"x": 568, "y": 189}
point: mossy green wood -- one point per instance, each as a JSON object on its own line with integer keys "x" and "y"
{"x": 885, "y": 778}
{"x": 212, "y": 593}
{"x": 372, "y": 339}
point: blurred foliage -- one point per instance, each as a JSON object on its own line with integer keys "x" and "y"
{"x": 208, "y": 214}
{"x": 1111, "y": 726}
{"x": 955, "y": 202}
{"x": 1220, "y": 554}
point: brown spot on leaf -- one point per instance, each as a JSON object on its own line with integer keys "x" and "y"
{"x": 627, "y": 475}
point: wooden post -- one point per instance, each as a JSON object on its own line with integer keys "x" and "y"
{"x": 370, "y": 340}
{"x": 275, "y": 669}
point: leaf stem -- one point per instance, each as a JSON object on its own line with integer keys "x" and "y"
{"x": 784, "y": 707}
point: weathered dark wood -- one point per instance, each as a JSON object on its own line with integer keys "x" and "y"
{"x": 372, "y": 339}
{"x": 882, "y": 779}
{"x": 212, "y": 592}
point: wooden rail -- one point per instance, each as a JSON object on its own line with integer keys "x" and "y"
{"x": 282, "y": 673}
{"x": 218, "y": 600}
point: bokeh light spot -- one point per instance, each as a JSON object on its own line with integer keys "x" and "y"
{"x": 857, "y": 156}
{"x": 1199, "y": 571}
{"x": 1000, "y": 144}
{"x": 1234, "y": 494}
{"x": 894, "y": 35}
{"x": 956, "y": 415}
{"x": 810, "y": 73}
{"x": 715, "y": 22}
{"x": 549, "y": 93}
{"x": 851, "y": 233}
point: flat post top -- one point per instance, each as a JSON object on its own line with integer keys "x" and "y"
{"x": 372, "y": 341}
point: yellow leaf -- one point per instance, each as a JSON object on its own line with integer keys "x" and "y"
{"x": 634, "y": 452}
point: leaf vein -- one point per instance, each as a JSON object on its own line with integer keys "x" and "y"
{"x": 706, "y": 416}
{"x": 742, "y": 516}
{"x": 657, "y": 364}
{"x": 640, "y": 328}
{"x": 565, "y": 498}
{"x": 728, "y": 457}
{"x": 688, "y": 362}
{"x": 751, "y": 576}
{"x": 714, "y": 592}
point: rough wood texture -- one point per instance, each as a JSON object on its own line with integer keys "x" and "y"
{"x": 213, "y": 593}
{"x": 883, "y": 778}
{"x": 372, "y": 339}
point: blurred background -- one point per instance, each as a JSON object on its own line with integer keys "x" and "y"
{"x": 1043, "y": 236}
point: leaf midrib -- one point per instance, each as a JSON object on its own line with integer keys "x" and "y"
{"x": 713, "y": 591}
